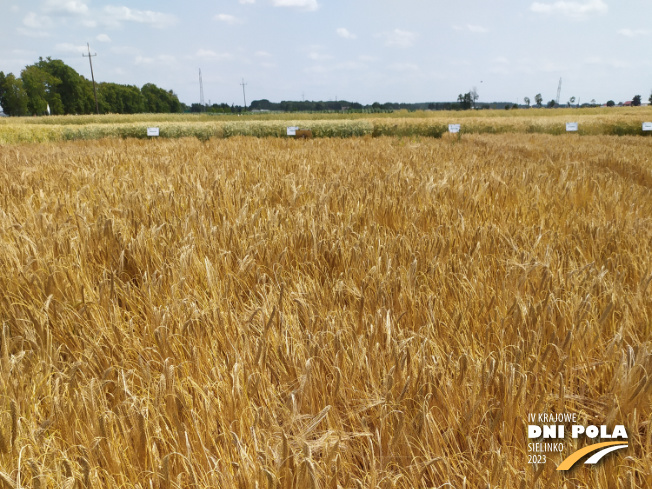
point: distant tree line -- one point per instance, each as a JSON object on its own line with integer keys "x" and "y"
{"x": 51, "y": 83}
{"x": 468, "y": 100}
{"x": 320, "y": 106}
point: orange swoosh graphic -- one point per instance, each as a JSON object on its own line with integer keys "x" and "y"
{"x": 574, "y": 457}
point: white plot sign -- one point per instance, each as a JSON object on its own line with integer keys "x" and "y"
{"x": 454, "y": 128}
{"x": 647, "y": 126}
{"x": 571, "y": 127}
{"x": 292, "y": 130}
{"x": 152, "y": 131}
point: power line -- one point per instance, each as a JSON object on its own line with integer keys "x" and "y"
{"x": 201, "y": 90}
{"x": 90, "y": 56}
{"x": 559, "y": 91}
{"x": 243, "y": 93}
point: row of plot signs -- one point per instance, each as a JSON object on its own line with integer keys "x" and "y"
{"x": 452, "y": 128}
{"x": 570, "y": 127}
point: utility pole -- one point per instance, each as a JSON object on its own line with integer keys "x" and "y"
{"x": 90, "y": 56}
{"x": 558, "y": 91}
{"x": 201, "y": 91}
{"x": 243, "y": 94}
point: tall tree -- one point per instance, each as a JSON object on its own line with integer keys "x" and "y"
{"x": 158, "y": 100}
{"x": 465, "y": 101}
{"x": 13, "y": 97}
{"x": 39, "y": 85}
{"x": 636, "y": 101}
{"x": 538, "y": 99}
{"x": 120, "y": 99}
{"x": 71, "y": 88}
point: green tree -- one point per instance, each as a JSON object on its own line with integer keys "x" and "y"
{"x": 611, "y": 103}
{"x": 13, "y": 97}
{"x": 120, "y": 99}
{"x": 39, "y": 85}
{"x": 73, "y": 94}
{"x": 527, "y": 101}
{"x": 538, "y": 99}
{"x": 551, "y": 104}
{"x": 636, "y": 101}
{"x": 159, "y": 100}
{"x": 465, "y": 101}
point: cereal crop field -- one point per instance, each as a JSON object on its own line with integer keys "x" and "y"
{"x": 621, "y": 121}
{"x": 361, "y": 312}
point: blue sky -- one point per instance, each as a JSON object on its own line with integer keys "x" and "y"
{"x": 358, "y": 50}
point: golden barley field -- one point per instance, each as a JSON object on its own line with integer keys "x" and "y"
{"x": 356, "y": 313}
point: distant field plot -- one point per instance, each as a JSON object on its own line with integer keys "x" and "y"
{"x": 596, "y": 121}
{"x": 361, "y": 312}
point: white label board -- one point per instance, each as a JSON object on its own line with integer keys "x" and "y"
{"x": 453, "y": 128}
{"x": 152, "y": 131}
{"x": 647, "y": 126}
{"x": 292, "y": 130}
{"x": 571, "y": 126}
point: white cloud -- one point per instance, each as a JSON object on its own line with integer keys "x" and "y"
{"x": 403, "y": 67}
{"x": 227, "y": 18}
{"x": 400, "y": 38}
{"x": 67, "y": 47}
{"x": 610, "y": 63}
{"x": 342, "y": 32}
{"x": 551, "y": 67}
{"x": 247, "y": 1}
{"x": 74, "y": 7}
{"x": 32, "y": 33}
{"x": 315, "y": 56}
{"x": 302, "y": 4}
{"x": 633, "y": 32}
{"x": 115, "y": 15}
{"x": 572, "y": 9}
{"x": 103, "y": 38}
{"x": 346, "y": 66}
{"x": 124, "y": 50}
{"x": 476, "y": 28}
{"x": 163, "y": 59}
{"x": 471, "y": 28}
{"x": 211, "y": 55}
{"x": 34, "y": 21}
{"x": 23, "y": 52}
